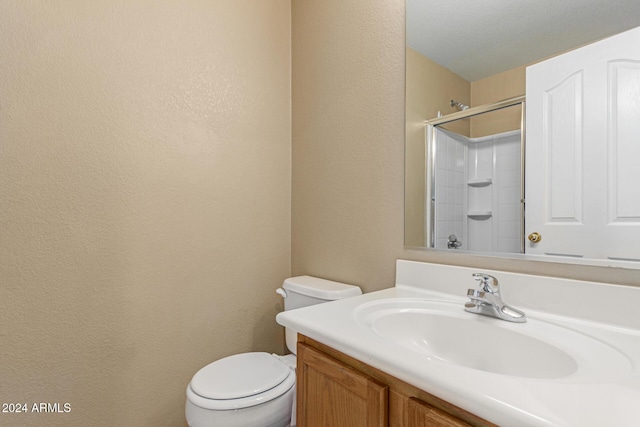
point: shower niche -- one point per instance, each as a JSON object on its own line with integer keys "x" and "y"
{"x": 475, "y": 181}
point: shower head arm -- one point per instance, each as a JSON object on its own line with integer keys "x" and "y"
{"x": 459, "y": 105}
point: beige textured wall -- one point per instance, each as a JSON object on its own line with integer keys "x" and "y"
{"x": 429, "y": 90}
{"x": 505, "y": 85}
{"x": 348, "y": 139}
{"x": 348, "y": 151}
{"x": 145, "y": 200}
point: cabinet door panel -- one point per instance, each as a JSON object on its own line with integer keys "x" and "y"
{"x": 421, "y": 414}
{"x": 331, "y": 394}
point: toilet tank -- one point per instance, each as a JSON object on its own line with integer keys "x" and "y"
{"x": 303, "y": 291}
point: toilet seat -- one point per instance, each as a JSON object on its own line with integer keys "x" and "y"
{"x": 240, "y": 381}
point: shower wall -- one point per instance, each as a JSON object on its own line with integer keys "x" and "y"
{"x": 478, "y": 191}
{"x": 450, "y": 187}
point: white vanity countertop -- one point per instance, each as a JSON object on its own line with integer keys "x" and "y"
{"x": 606, "y": 313}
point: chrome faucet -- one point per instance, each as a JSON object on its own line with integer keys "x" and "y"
{"x": 487, "y": 300}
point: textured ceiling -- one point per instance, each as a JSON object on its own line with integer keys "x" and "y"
{"x": 479, "y": 38}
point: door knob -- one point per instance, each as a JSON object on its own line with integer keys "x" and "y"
{"x": 534, "y": 237}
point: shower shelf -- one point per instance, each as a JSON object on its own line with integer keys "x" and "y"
{"x": 479, "y": 182}
{"x": 479, "y": 214}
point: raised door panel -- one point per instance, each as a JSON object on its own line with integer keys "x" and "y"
{"x": 331, "y": 394}
{"x": 421, "y": 414}
{"x": 562, "y": 150}
{"x": 554, "y": 151}
{"x": 623, "y": 202}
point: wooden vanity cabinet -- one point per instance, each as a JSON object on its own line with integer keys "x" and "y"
{"x": 332, "y": 394}
{"x": 335, "y": 390}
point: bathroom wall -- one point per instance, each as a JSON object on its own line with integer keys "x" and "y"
{"x": 145, "y": 200}
{"x": 505, "y": 85}
{"x": 348, "y": 150}
{"x": 348, "y": 139}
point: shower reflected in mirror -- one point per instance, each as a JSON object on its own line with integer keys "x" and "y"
{"x": 475, "y": 185}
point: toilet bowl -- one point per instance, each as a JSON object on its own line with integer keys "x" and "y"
{"x": 257, "y": 389}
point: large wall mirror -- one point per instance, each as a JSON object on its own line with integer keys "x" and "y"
{"x": 472, "y": 131}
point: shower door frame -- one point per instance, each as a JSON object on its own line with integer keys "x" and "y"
{"x": 431, "y": 143}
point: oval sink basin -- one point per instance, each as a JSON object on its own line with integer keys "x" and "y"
{"x": 443, "y": 331}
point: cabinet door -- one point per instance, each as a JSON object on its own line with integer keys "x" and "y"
{"x": 421, "y": 414}
{"x": 331, "y": 394}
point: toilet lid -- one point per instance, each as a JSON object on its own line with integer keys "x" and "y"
{"x": 239, "y": 376}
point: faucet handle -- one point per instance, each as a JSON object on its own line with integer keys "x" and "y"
{"x": 488, "y": 283}
{"x": 476, "y": 293}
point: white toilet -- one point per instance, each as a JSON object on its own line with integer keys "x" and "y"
{"x": 257, "y": 389}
